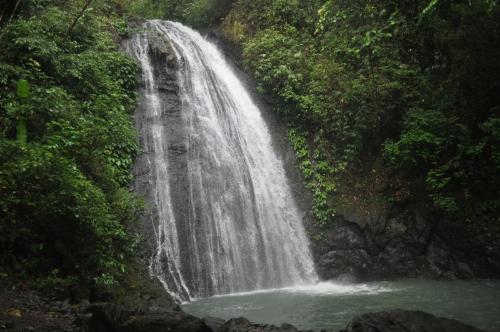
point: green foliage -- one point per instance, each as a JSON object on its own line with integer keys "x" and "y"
{"x": 23, "y": 89}
{"x": 197, "y": 13}
{"x": 153, "y": 9}
{"x": 429, "y": 8}
{"x": 64, "y": 199}
{"x": 21, "y": 131}
{"x": 318, "y": 174}
{"x": 411, "y": 82}
{"x": 200, "y": 13}
{"x": 396, "y": 100}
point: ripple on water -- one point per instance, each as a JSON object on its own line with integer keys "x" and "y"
{"x": 333, "y": 304}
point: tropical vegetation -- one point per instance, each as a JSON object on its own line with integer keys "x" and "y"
{"x": 387, "y": 103}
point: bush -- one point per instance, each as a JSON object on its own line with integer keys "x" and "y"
{"x": 403, "y": 91}
{"x": 64, "y": 199}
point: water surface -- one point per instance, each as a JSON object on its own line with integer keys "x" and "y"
{"x": 328, "y": 304}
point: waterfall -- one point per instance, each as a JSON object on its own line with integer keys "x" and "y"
{"x": 226, "y": 218}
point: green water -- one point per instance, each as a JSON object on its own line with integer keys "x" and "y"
{"x": 329, "y": 304}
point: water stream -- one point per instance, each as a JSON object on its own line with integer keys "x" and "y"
{"x": 238, "y": 228}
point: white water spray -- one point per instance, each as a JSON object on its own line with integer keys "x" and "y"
{"x": 242, "y": 230}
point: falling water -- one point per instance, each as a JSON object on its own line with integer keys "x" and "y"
{"x": 229, "y": 223}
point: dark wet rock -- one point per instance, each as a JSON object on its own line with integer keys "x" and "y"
{"x": 25, "y": 309}
{"x": 351, "y": 262}
{"x": 412, "y": 244}
{"x": 405, "y": 321}
{"x": 164, "y": 64}
{"x": 213, "y": 322}
{"x": 244, "y": 325}
{"x": 108, "y": 317}
{"x": 163, "y": 55}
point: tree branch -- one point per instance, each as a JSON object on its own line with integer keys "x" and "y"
{"x": 10, "y": 19}
{"x": 87, "y": 4}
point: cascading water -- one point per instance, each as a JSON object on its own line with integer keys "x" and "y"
{"x": 229, "y": 223}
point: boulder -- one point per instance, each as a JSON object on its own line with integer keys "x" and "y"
{"x": 352, "y": 262}
{"x": 244, "y": 325}
{"x": 213, "y": 322}
{"x": 109, "y": 317}
{"x": 405, "y": 321}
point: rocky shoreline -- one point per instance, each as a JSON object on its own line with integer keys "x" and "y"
{"x": 148, "y": 308}
{"x": 111, "y": 318}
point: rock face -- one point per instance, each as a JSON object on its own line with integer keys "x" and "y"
{"x": 165, "y": 69}
{"x": 404, "y": 321}
{"x": 410, "y": 245}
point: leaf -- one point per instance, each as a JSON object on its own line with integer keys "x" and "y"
{"x": 23, "y": 88}
{"x": 428, "y": 9}
{"x": 21, "y": 130}
{"x": 13, "y": 312}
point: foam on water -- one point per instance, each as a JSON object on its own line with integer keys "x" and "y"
{"x": 326, "y": 288}
{"x": 336, "y": 288}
